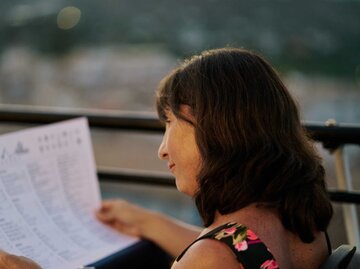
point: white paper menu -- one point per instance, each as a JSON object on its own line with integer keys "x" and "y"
{"x": 48, "y": 195}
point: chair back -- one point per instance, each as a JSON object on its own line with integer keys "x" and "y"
{"x": 344, "y": 257}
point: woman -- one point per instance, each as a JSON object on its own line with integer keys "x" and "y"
{"x": 234, "y": 142}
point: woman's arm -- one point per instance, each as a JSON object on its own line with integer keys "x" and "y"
{"x": 170, "y": 234}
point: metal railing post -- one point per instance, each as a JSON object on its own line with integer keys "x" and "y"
{"x": 344, "y": 182}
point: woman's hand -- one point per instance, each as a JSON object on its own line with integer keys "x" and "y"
{"x": 170, "y": 234}
{"x": 124, "y": 217}
{"x": 9, "y": 261}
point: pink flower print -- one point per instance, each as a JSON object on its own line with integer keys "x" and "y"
{"x": 269, "y": 264}
{"x": 229, "y": 231}
{"x": 251, "y": 235}
{"x": 225, "y": 233}
{"x": 241, "y": 246}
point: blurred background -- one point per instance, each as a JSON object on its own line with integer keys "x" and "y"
{"x": 111, "y": 54}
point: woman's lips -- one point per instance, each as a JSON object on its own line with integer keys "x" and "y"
{"x": 171, "y": 166}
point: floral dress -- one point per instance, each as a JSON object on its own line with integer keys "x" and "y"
{"x": 249, "y": 250}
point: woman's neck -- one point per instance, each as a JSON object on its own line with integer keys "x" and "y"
{"x": 253, "y": 216}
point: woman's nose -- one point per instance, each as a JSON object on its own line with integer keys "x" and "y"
{"x": 162, "y": 152}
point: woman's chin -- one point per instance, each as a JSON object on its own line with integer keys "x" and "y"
{"x": 185, "y": 189}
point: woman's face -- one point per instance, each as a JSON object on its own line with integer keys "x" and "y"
{"x": 181, "y": 152}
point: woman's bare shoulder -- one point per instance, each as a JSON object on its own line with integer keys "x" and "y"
{"x": 208, "y": 253}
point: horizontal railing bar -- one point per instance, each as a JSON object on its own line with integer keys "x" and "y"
{"x": 110, "y": 119}
{"x": 166, "y": 180}
{"x": 352, "y": 197}
{"x": 330, "y": 136}
{"x": 334, "y": 135}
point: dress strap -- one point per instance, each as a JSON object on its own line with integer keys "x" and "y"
{"x": 249, "y": 250}
{"x": 200, "y": 238}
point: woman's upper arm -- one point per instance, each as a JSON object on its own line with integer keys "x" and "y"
{"x": 209, "y": 254}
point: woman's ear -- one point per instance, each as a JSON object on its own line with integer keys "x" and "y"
{"x": 187, "y": 112}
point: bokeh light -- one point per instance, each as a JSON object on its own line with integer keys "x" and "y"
{"x": 68, "y": 17}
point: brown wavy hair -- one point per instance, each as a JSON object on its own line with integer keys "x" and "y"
{"x": 253, "y": 146}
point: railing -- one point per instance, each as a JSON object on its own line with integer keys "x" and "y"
{"x": 332, "y": 136}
